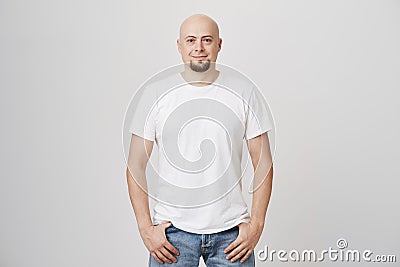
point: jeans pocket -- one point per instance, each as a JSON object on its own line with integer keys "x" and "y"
{"x": 170, "y": 228}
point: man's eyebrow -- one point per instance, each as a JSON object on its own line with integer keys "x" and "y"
{"x": 192, "y": 36}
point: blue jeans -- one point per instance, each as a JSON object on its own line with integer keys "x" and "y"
{"x": 211, "y": 247}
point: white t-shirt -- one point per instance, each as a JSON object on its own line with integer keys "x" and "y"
{"x": 199, "y": 132}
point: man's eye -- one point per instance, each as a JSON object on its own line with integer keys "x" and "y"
{"x": 190, "y": 40}
{"x": 207, "y": 40}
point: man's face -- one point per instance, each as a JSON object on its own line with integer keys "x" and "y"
{"x": 199, "y": 43}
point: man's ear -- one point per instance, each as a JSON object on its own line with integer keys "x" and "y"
{"x": 178, "y": 44}
{"x": 220, "y": 44}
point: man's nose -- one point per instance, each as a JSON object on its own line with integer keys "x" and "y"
{"x": 199, "y": 45}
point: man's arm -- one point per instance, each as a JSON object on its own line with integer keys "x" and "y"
{"x": 261, "y": 158}
{"x": 139, "y": 154}
{"x": 153, "y": 236}
{"x": 250, "y": 233}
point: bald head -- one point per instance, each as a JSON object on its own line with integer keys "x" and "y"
{"x": 198, "y": 22}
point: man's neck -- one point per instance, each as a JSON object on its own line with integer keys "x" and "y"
{"x": 200, "y": 78}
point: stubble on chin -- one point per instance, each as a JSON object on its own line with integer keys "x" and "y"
{"x": 200, "y": 67}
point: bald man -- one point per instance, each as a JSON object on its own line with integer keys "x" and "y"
{"x": 223, "y": 232}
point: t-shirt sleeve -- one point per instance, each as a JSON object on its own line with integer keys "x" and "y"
{"x": 259, "y": 119}
{"x": 143, "y": 122}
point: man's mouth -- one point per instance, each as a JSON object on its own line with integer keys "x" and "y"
{"x": 199, "y": 57}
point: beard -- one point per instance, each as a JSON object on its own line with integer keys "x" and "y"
{"x": 201, "y": 66}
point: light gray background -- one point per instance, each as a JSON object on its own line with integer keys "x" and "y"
{"x": 329, "y": 69}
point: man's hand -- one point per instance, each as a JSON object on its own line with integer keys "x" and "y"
{"x": 156, "y": 242}
{"x": 243, "y": 246}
